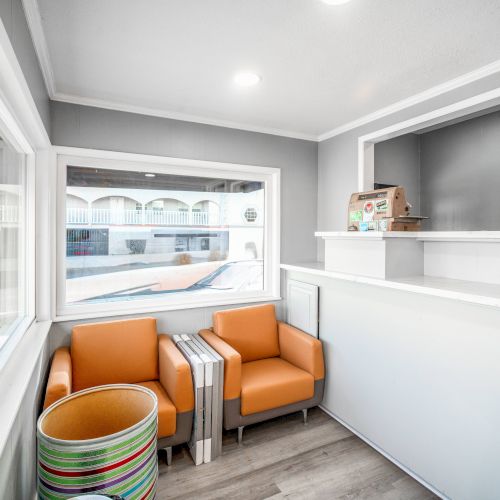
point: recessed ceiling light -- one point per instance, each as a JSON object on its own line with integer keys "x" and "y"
{"x": 335, "y": 2}
{"x": 247, "y": 79}
{"x": 150, "y": 175}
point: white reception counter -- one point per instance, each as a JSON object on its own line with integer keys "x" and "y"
{"x": 412, "y": 360}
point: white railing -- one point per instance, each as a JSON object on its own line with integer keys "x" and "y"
{"x": 9, "y": 213}
{"x": 132, "y": 217}
{"x": 166, "y": 218}
{"x": 200, "y": 218}
{"x": 106, "y": 216}
{"x": 77, "y": 215}
{"x": 101, "y": 216}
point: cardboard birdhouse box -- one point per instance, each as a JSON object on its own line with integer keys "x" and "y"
{"x": 382, "y": 210}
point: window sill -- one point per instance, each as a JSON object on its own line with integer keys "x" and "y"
{"x": 127, "y": 308}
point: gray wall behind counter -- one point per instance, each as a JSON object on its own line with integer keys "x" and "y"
{"x": 397, "y": 161}
{"x": 460, "y": 175}
{"x": 338, "y": 156}
{"x": 96, "y": 128}
{"x": 451, "y": 175}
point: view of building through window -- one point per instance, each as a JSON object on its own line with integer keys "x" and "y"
{"x": 137, "y": 235}
{"x": 12, "y": 258}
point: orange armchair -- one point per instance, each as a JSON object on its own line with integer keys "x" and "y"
{"x": 270, "y": 367}
{"x": 131, "y": 352}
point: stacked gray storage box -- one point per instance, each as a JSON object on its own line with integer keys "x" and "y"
{"x": 217, "y": 394}
{"x": 207, "y": 396}
{"x": 198, "y": 371}
{"x": 208, "y": 369}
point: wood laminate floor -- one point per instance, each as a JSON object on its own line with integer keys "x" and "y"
{"x": 284, "y": 458}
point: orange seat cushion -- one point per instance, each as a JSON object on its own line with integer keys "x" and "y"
{"x": 115, "y": 352}
{"x": 271, "y": 383}
{"x": 166, "y": 409}
{"x": 252, "y": 331}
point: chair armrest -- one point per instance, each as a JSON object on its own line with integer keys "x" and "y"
{"x": 232, "y": 364}
{"x": 60, "y": 377}
{"x": 301, "y": 350}
{"x": 175, "y": 375}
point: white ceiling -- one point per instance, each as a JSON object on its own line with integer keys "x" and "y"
{"x": 321, "y": 66}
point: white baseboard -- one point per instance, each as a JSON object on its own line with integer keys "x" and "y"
{"x": 415, "y": 476}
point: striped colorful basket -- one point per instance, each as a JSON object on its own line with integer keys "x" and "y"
{"x": 99, "y": 441}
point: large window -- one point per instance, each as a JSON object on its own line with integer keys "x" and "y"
{"x": 13, "y": 290}
{"x": 137, "y": 235}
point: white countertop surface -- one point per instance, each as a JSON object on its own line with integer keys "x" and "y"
{"x": 470, "y": 236}
{"x": 466, "y": 291}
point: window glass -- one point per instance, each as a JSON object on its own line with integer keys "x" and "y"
{"x": 12, "y": 227}
{"x": 133, "y": 235}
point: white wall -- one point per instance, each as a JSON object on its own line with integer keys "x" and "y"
{"x": 417, "y": 376}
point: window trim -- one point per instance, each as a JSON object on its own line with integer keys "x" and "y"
{"x": 16, "y": 139}
{"x": 157, "y": 164}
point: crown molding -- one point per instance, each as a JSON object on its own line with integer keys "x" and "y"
{"x": 34, "y": 20}
{"x": 173, "y": 115}
{"x": 37, "y": 33}
{"x": 438, "y": 90}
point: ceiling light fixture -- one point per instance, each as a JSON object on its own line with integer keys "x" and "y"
{"x": 335, "y": 2}
{"x": 247, "y": 79}
{"x": 150, "y": 175}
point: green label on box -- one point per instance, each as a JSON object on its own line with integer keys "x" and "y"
{"x": 355, "y": 215}
{"x": 382, "y": 206}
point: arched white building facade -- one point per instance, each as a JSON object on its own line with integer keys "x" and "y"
{"x": 150, "y": 222}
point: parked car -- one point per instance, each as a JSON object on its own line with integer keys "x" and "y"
{"x": 236, "y": 276}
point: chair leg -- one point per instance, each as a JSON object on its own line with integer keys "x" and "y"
{"x": 304, "y": 414}
{"x": 240, "y": 434}
{"x": 169, "y": 455}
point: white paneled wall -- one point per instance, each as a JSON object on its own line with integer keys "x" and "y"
{"x": 418, "y": 377}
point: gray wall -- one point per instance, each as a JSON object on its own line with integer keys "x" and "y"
{"x": 460, "y": 172}
{"x": 171, "y": 322}
{"x": 338, "y": 156}
{"x": 18, "y": 458}
{"x": 14, "y": 20}
{"x": 397, "y": 161}
{"x": 454, "y": 171}
{"x": 96, "y": 128}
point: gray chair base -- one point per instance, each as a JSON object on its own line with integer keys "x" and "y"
{"x": 232, "y": 408}
{"x": 232, "y": 411}
{"x": 184, "y": 426}
{"x": 241, "y": 427}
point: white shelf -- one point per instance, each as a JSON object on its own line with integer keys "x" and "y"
{"x": 465, "y": 291}
{"x": 466, "y": 236}
{"x": 365, "y": 235}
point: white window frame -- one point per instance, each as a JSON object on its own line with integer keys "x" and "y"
{"x": 176, "y": 166}
{"x": 16, "y": 139}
